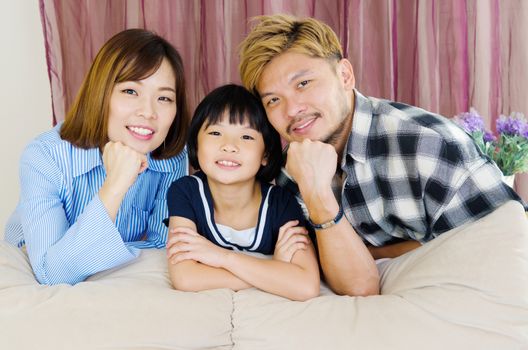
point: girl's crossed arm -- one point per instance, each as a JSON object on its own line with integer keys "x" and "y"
{"x": 197, "y": 264}
{"x": 191, "y": 275}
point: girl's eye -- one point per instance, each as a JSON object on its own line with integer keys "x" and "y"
{"x": 247, "y": 137}
{"x": 129, "y": 91}
{"x": 165, "y": 99}
{"x": 302, "y": 83}
{"x": 213, "y": 133}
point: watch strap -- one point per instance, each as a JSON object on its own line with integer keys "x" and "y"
{"x": 330, "y": 223}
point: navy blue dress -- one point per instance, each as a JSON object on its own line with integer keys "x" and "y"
{"x": 190, "y": 197}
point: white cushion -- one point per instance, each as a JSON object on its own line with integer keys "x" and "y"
{"x": 132, "y": 307}
{"x": 467, "y": 289}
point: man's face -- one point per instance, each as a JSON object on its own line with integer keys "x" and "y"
{"x": 307, "y": 97}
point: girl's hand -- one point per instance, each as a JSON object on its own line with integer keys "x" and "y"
{"x": 184, "y": 243}
{"x": 291, "y": 238}
{"x": 122, "y": 165}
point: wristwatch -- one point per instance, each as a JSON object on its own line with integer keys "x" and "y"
{"x": 330, "y": 223}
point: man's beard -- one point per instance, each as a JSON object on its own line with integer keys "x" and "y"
{"x": 335, "y": 136}
{"x": 344, "y": 126}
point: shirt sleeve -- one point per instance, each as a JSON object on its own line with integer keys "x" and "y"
{"x": 462, "y": 186}
{"x": 481, "y": 192}
{"x": 58, "y": 252}
{"x": 179, "y": 198}
{"x": 157, "y": 229}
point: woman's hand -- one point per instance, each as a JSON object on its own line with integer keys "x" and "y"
{"x": 291, "y": 238}
{"x": 122, "y": 165}
{"x": 184, "y": 243}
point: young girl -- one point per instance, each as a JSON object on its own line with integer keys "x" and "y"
{"x": 228, "y": 208}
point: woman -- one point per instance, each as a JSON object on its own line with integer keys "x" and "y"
{"x": 93, "y": 189}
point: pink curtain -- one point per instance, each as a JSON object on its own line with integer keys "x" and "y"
{"x": 443, "y": 55}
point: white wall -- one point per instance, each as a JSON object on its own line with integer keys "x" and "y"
{"x": 24, "y": 92}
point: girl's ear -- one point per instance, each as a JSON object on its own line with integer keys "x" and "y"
{"x": 264, "y": 161}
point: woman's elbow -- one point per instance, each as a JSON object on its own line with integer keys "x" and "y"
{"x": 46, "y": 275}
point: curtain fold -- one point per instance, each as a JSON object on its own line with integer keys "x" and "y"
{"x": 442, "y": 55}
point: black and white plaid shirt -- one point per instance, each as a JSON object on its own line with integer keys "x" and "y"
{"x": 410, "y": 174}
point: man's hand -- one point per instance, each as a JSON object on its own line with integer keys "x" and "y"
{"x": 312, "y": 164}
{"x": 291, "y": 239}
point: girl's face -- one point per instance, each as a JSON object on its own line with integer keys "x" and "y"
{"x": 230, "y": 153}
{"x": 141, "y": 112}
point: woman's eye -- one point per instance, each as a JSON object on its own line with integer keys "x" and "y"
{"x": 129, "y": 91}
{"x": 247, "y": 137}
{"x": 166, "y": 99}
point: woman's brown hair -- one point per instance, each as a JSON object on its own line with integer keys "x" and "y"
{"x": 130, "y": 55}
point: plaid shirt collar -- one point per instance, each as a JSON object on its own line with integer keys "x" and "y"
{"x": 356, "y": 145}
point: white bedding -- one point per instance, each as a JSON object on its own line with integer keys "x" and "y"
{"x": 467, "y": 289}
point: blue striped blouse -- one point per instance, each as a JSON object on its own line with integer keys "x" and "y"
{"x": 63, "y": 223}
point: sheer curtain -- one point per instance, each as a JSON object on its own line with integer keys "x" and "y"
{"x": 442, "y": 55}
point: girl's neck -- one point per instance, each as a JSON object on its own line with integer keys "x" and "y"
{"x": 236, "y": 205}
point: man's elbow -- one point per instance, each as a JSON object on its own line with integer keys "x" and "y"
{"x": 358, "y": 289}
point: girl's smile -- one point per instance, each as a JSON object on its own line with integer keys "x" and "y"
{"x": 230, "y": 153}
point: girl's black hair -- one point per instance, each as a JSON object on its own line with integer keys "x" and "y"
{"x": 241, "y": 106}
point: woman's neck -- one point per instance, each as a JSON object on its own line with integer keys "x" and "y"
{"x": 236, "y": 205}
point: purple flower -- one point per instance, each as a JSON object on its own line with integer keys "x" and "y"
{"x": 513, "y": 125}
{"x": 470, "y": 121}
{"x": 508, "y": 147}
{"x": 489, "y": 137}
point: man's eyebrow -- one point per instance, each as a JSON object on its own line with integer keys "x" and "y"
{"x": 298, "y": 75}
{"x": 295, "y": 76}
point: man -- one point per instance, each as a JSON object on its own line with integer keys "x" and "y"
{"x": 401, "y": 175}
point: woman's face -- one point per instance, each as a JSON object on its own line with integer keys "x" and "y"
{"x": 141, "y": 112}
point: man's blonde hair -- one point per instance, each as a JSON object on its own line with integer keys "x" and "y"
{"x": 275, "y": 34}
